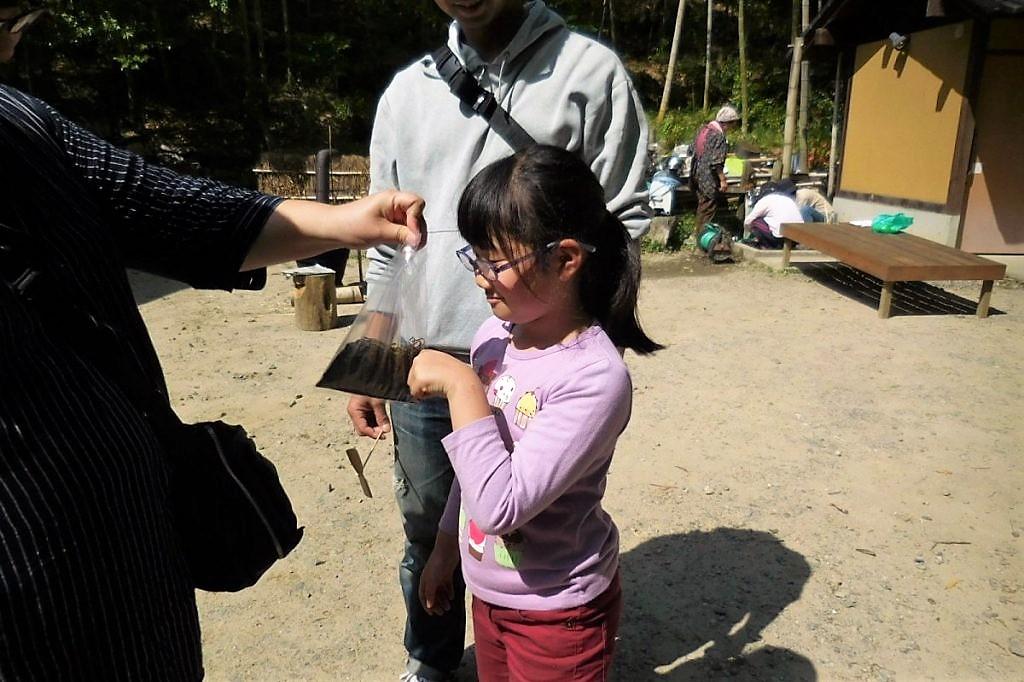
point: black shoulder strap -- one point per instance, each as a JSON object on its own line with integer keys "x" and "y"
{"x": 465, "y": 87}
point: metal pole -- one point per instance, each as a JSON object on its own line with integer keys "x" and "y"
{"x": 337, "y": 258}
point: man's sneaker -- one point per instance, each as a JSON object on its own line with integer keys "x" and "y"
{"x": 413, "y": 677}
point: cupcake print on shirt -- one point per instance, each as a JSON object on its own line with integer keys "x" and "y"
{"x": 526, "y": 409}
{"x": 504, "y": 387}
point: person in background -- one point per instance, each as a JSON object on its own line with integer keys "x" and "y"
{"x": 814, "y": 207}
{"x": 536, "y": 417}
{"x": 707, "y": 177}
{"x": 774, "y": 208}
{"x": 93, "y": 582}
{"x": 565, "y": 90}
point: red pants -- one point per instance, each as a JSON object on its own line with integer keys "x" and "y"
{"x": 547, "y": 646}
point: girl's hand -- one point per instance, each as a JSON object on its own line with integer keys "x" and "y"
{"x": 436, "y": 588}
{"x": 435, "y": 373}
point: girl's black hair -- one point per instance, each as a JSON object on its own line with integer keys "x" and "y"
{"x": 542, "y": 194}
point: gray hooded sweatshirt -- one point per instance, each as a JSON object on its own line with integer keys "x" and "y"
{"x": 563, "y": 88}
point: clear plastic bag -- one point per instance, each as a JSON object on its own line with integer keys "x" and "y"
{"x": 386, "y": 336}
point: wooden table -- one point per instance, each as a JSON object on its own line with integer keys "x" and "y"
{"x": 894, "y": 258}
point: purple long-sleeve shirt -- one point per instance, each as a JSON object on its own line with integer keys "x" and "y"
{"x": 526, "y": 504}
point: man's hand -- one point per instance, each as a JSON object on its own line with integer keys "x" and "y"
{"x": 368, "y": 415}
{"x": 436, "y": 585}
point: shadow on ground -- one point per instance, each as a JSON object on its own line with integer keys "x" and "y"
{"x": 908, "y": 298}
{"x": 147, "y": 287}
{"x": 693, "y": 601}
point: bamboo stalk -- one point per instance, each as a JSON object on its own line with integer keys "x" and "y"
{"x": 671, "y": 71}
{"x": 743, "y": 68}
{"x": 707, "y": 60}
{"x": 805, "y": 89}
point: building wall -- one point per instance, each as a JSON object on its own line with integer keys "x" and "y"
{"x": 994, "y": 215}
{"x": 934, "y": 225}
{"x": 904, "y": 115}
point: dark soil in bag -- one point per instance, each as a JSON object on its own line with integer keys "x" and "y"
{"x": 374, "y": 368}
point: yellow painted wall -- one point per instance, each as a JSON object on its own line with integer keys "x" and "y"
{"x": 904, "y": 115}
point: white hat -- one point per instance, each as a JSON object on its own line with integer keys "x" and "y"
{"x": 727, "y": 114}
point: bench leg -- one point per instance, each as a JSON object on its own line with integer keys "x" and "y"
{"x": 885, "y": 304}
{"x": 787, "y": 249}
{"x": 986, "y": 297}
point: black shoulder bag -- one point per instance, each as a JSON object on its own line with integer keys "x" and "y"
{"x": 233, "y": 517}
{"x": 464, "y": 86}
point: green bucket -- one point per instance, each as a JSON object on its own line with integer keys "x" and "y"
{"x": 710, "y": 232}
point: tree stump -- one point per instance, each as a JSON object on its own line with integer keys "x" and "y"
{"x": 316, "y": 305}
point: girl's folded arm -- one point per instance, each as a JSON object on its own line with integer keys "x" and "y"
{"x": 574, "y": 430}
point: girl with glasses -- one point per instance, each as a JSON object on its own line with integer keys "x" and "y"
{"x": 536, "y": 418}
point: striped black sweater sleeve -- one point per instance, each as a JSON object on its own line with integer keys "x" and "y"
{"x": 190, "y": 229}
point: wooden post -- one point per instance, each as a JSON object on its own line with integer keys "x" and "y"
{"x": 315, "y": 301}
{"x": 787, "y": 249}
{"x": 885, "y": 303}
{"x": 833, "y": 150}
{"x": 789, "y": 131}
{"x": 986, "y": 298}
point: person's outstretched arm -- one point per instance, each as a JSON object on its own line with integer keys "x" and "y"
{"x": 204, "y": 232}
{"x": 297, "y": 229}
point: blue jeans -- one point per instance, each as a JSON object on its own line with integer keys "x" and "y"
{"x": 423, "y": 479}
{"x": 811, "y": 214}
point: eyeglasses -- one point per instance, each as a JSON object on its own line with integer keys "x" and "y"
{"x": 490, "y": 271}
{"x": 19, "y": 23}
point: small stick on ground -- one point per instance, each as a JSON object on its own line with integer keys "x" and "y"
{"x": 662, "y": 486}
{"x": 357, "y": 464}
{"x": 838, "y": 508}
{"x": 948, "y": 542}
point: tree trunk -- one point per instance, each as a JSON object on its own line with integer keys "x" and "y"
{"x": 316, "y": 306}
{"x": 611, "y": 21}
{"x": 243, "y": 26}
{"x": 791, "y": 107}
{"x": 805, "y": 89}
{"x": 664, "y": 18}
{"x": 671, "y": 71}
{"x": 286, "y": 27}
{"x": 707, "y": 61}
{"x": 743, "y": 68}
{"x": 261, "y": 52}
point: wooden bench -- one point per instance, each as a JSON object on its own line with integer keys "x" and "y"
{"x": 894, "y": 258}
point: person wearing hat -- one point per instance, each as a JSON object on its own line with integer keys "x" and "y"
{"x": 707, "y": 178}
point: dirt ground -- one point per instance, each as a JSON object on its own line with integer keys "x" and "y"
{"x": 805, "y": 491}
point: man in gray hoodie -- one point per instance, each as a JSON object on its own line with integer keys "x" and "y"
{"x": 563, "y": 89}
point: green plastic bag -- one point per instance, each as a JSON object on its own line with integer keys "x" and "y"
{"x": 891, "y": 223}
